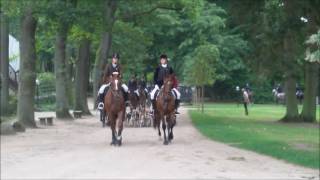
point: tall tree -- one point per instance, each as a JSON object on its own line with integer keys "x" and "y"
{"x": 27, "y": 76}
{"x": 309, "y": 111}
{"x": 62, "y": 105}
{"x": 291, "y": 54}
{"x": 292, "y": 113}
{"x": 82, "y": 76}
{"x": 4, "y": 55}
{"x": 64, "y": 23}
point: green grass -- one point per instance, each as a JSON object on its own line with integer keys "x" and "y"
{"x": 297, "y": 143}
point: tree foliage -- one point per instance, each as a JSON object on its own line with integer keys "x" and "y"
{"x": 313, "y": 55}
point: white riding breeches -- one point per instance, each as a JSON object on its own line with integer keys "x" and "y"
{"x": 153, "y": 92}
{"x": 137, "y": 92}
{"x": 177, "y": 93}
{"x": 125, "y": 87}
{"x": 102, "y": 88}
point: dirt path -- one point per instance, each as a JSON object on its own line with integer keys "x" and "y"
{"x": 80, "y": 149}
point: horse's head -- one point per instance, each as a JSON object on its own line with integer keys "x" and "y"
{"x": 168, "y": 83}
{"x": 115, "y": 82}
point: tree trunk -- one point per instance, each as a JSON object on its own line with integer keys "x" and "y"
{"x": 289, "y": 48}
{"x": 105, "y": 45}
{"x": 70, "y": 75}
{"x": 82, "y": 77}
{"x": 62, "y": 105}
{"x": 309, "y": 111}
{"x": 198, "y": 97}
{"x": 292, "y": 114}
{"x": 202, "y": 98}
{"x": 4, "y": 55}
{"x": 27, "y": 75}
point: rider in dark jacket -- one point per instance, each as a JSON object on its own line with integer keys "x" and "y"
{"x": 111, "y": 68}
{"x": 133, "y": 84}
{"x": 114, "y": 66}
{"x": 161, "y": 71}
{"x": 143, "y": 85}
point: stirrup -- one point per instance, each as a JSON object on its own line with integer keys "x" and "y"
{"x": 100, "y": 106}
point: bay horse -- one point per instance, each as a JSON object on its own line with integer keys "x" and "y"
{"x": 134, "y": 106}
{"x": 165, "y": 110}
{"x": 115, "y": 108}
{"x": 142, "y": 105}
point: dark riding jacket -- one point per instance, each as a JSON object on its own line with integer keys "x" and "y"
{"x": 110, "y": 69}
{"x": 160, "y": 73}
{"x": 133, "y": 85}
{"x": 142, "y": 84}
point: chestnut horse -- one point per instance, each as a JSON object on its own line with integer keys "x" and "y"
{"x": 165, "y": 110}
{"x": 115, "y": 108}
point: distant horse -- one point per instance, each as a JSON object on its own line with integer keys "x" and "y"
{"x": 115, "y": 108}
{"x": 165, "y": 110}
{"x": 279, "y": 97}
{"x": 142, "y": 106}
{"x": 133, "y": 117}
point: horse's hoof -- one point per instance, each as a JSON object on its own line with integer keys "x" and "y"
{"x": 114, "y": 142}
{"x": 170, "y": 136}
{"x": 165, "y": 143}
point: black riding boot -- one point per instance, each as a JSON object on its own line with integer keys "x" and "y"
{"x": 153, "y": 104}
{"x": 177, "y": 104}
{"x": 153, "y": 110}
{"x": 125, "y": 95}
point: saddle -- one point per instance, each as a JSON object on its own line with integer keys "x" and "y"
{"x": 172, "y": 92}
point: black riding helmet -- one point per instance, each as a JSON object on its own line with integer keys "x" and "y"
{"x": 163, "y": 56}
{"x": 116, "y": 56}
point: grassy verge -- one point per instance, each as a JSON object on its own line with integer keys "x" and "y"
{"x": 297, "y": 143}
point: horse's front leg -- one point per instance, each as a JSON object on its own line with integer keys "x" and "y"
{"x": 102, "y": 118}
{"x": 157, "y": 123}
{"x": 171, "y": 123}
{"x": 120, "y": 127}
{"x": 164, "y": 127}
{"x": 113, "y": 130}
